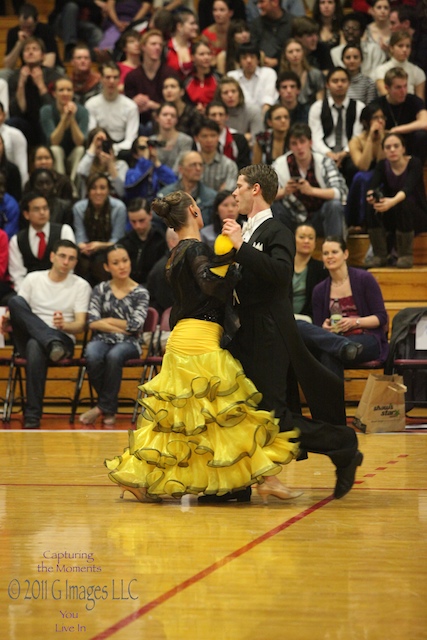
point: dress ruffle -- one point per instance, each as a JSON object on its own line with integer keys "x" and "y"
{"x": 201, "y": 433}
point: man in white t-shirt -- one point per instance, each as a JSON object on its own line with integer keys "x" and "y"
{"x": 50, "y": 308}
{"x": 113, "y": 111}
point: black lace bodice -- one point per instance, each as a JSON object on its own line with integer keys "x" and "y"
{"x": 199, "y": 293}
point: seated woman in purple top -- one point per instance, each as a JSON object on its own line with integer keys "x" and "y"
{"x": 349, "y": 302}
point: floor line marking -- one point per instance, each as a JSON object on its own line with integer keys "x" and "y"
{"x": 107, "y": 633}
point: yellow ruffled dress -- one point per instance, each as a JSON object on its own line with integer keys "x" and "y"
{"x": 199, "y": 430}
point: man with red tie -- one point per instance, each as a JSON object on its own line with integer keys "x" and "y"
{"x": 30, "y": 249}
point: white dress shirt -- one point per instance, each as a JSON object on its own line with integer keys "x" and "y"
{"x": 260, "y": 89}
{"x": 17, "y": 269}
{"x": 15, "y": 144}
{"x": 254, "y": 222}
{"x": 315, "y": 124}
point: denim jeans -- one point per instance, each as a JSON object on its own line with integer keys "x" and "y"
{"x": 32, "y": 337}
{"x": 71, "y": 29}
{"x": 327, "y": 347}
{"x": 105, "y": 368}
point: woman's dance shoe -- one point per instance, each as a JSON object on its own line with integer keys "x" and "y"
{"x": 91, "y": 416}
{"x": 276, "y": 489}
{"x": 140, "y": 494}
{"x": 109, "y": 420}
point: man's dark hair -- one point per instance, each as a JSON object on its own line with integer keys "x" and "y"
{"x": 299, "y": 130}
{"x": 304, "y": 27}
{"x": 138, "y": 203}
{"x": 288, "y": 75}
{"x": 265, "y": 176}
{"x": 248, "y": 47}
{"x": 407, "y": 13}
{"x": 206, "y": 123}
{"x": 109, "y": 65}
{"x": 68, "y": 244}
{"x": 335, "y": 70}
{"x": 28, "y": 10}
{"x": 215, "y": 103}
{"x": 27, "y": 199}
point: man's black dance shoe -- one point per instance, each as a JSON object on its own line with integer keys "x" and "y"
{"x": 238, "y": 496}
{"x": 346, "y": 476}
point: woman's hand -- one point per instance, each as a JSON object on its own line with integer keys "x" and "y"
{"x": 346, "y": 324}
{"x": 327, "y": 325}
{"x": 384, "y": 205}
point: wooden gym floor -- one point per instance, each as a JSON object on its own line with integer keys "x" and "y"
{"x": 79, "y": 561}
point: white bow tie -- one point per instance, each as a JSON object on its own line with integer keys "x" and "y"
{"x": 248, "y": 227}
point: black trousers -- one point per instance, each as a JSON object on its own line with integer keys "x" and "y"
{"x": 266, "y": 362}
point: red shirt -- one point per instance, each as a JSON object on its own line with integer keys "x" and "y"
{"x": 201, "y": 91}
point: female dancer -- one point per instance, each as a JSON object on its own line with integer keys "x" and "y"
{"x": 117, "y": 312}
{"x": 271, "y": 144}
{"x": 312, "y": 80}
{"x": 199, "y": 430}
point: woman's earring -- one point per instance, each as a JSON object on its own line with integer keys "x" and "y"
{"x": 195, "y": 214}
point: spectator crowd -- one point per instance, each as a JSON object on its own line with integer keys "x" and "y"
{"x": 149, "y": 97}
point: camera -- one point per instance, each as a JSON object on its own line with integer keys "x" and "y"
{"x": 152, "y": 142}
{"x": 377, "y": 195}
{"x": 296, "y": 178}
{"x": 106, "y": 146}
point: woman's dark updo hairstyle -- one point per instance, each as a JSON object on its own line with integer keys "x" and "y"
{"x": 173, "y": 208}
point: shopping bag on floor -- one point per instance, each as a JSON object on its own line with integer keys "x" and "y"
{"x": 382, "y": 405}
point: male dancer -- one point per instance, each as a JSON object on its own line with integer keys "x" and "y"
{"x": 268, "y": 344}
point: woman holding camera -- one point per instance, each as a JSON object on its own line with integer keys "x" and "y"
{"x": 169, "y": 141}
{"x": 398, "y": 205}
{"x": 100, "y": 158}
